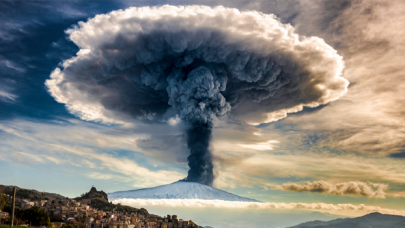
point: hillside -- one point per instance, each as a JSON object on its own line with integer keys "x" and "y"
{"x": 99, "y": 201}
{"x": 30, "y": 194}
{"x": 373, "y": 220}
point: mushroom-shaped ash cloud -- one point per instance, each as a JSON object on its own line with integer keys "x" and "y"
{"x": 195, "y": 62}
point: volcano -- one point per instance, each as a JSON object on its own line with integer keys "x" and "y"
{"x": 180, "y": 190}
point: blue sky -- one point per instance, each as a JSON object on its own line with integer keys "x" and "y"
{"x": 356, "y": 140}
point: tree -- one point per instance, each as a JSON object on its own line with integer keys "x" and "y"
{"x": 17, "y": 211}
{"x": 16, "y": 222}
{"x": 55, "y": 218}
{"x": 3, "y": 201}
{"x": 37, "y": 217}
{"x": 67, "y": 226}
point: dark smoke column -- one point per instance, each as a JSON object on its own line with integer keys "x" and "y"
{"x": 200, "y": 159}
{"x": 197, "y": 98}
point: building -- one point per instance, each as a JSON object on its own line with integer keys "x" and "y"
{"x": 57, "y": 224}
{"x": 70, "y": 220}
{"x": 4, "y": 215}
{"x": 134, "y": 220}
{"x": 97, "y": 224}
{"x": 89, "y": 221}
{"x": 85, "y": 201}
{"x": 25, "y": 204}
{"x": 116, "y": 224}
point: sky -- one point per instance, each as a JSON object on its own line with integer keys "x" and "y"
{"x": 342, "y": 146}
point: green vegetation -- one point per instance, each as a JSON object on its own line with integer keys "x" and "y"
{"x": 8, "y": 226}
{"x": 37, "y": 217}
{"x": 3, "y": 201}
{"x": 24, "y": 194}
{"x": 123, "y": 208}
{"x": 34, "y": 216}
{"x": 102, "y": 204}
{"x": 17, "y": 211}
{"x": 66, "y": 226}
{"x": 30, "y": 194}
{"x": 99, "y": 201}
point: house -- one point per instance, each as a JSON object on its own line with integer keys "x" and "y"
{"x": 89, "y": 221}
{"x": 116, "y": 224}
{"x": 97, "y": 224}
{"x": 4, "y": 215}
{"x": 57, "y": 224}
{"x": 134, "y": 220}
{"x": 85, "y": 201}
{"x": 37, "y": 204}
{"x": 70, "y": 220}
{"x": 152, "y": 224}
{"x": 25, "y": 204}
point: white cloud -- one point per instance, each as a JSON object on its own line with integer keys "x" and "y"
{"x": 174, "y": 120}
{"x": 397, "y": 194}
{"x": 342, "y": 209}
{"x": 269, "y": 145}
{"x": 353, "y": 188}
{"x": 82, "y": 107}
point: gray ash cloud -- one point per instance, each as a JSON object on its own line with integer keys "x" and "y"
{"x": 197, "y": 63}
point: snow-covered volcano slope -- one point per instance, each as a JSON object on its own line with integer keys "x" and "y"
{"x": 179, "y": 190}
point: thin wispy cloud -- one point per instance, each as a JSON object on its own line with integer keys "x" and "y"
{"x": 6, "y": 96}
{"x": 40, "y": 147}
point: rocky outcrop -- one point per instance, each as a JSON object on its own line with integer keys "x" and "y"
{"x": 144, "y": 212}
{"x": 93, "y": 193}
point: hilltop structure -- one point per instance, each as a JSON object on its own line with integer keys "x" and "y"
{"x": 93, "y": 193}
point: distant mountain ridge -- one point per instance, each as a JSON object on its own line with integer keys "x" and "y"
{"x": 180, "y": 190}
{"x": 30, "y": 194}
{"x": 373, "y": 220}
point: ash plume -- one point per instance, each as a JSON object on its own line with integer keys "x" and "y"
{"x": 151, "y": 64}
{"x": 200, "y": 159}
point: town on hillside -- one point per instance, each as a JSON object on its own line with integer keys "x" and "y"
{"x": 90, "y": 210}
